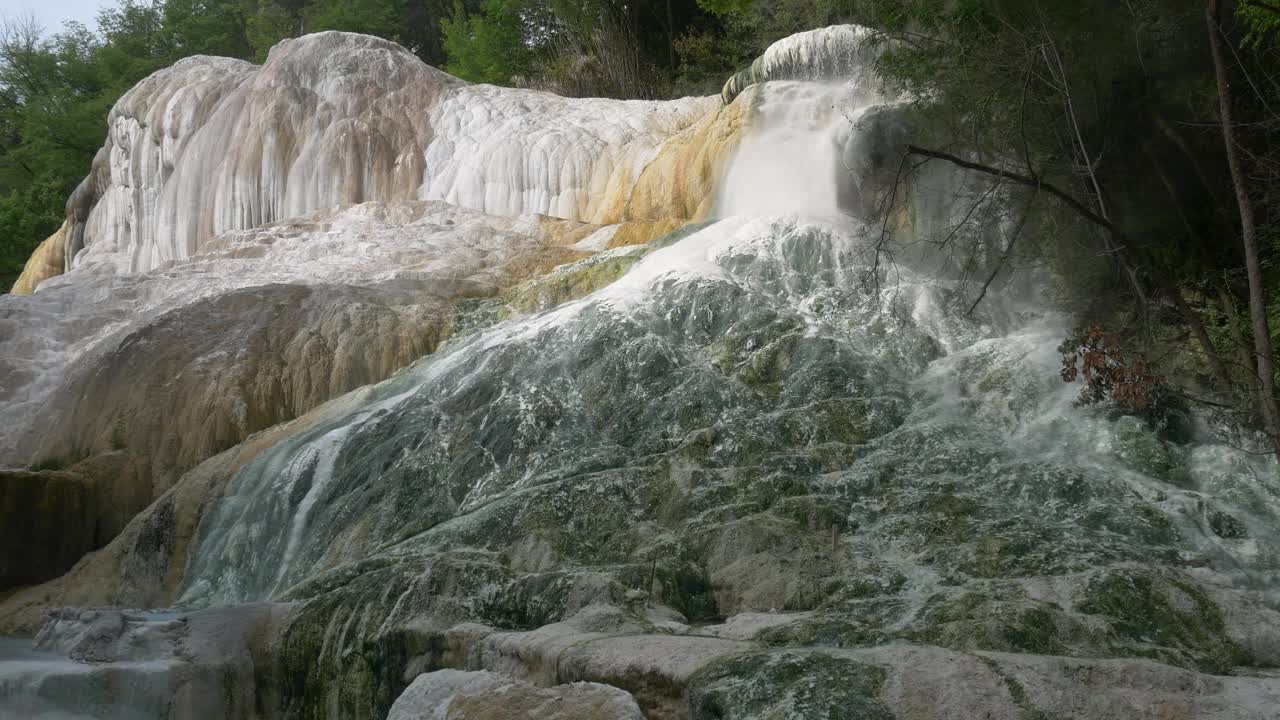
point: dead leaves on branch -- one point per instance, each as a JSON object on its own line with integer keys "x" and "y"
{"x": 1096, "y": 358}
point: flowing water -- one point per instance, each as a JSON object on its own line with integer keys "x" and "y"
{"x": 764, "y": 339}
{"x": 761, "y": 415}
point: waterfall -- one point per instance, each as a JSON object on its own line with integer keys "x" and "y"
{"x": 782, "y": 435}
{"x": 524, "y": 403}
{"x": 791, "y": 156}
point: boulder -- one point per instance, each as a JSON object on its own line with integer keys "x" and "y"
{"x": 459, "y": 695}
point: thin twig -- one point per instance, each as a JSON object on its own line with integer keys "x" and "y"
{"x": 1013, "y": 238}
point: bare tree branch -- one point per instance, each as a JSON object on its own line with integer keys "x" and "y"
{"x": 1008, "y": 249}
{"x": 1019, "y": 178}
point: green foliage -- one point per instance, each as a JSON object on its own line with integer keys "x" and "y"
{"x": 1164, "y": 617}
{"x": 202, "y": 27}
{"x": 712, "y": 51}
{"x": 1262, "y": 23}
{"x": 53, "y": 104}
{"x": 266, "y": 25}
{"x": 726, "y": 7}
{"x": 488, "y": 46}
{"x": 1109, "y": 104}
{"x": 35, "y": 211}
{"x": 371, "y": 17}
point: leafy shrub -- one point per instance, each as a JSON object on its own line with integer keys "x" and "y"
{"x": 1124, "y": 379}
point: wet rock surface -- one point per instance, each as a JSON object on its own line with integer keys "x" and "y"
{"x": 744, "y": 471}
{"x": 476, "y": 695}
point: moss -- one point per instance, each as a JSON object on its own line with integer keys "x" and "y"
{"x": 1146, "y": 620}
{"x": 809, "y": 685}
{"x": 1142, "y": 449}
{"x": 978, "y": 621}
{"x": 812, "y": 512}
{"x": 119, "y": 429}
{"x": 823, "y": 632}
{"x": 568, "y": 282}
{"x": 1093, "y": 520}
{"x": 359, "y": 680}
{"x": 1226, "y": 526}
{"x": 775, "y": 488}
{"x": 999, "y": 379}
{"x": 836, "y": 456}
{"x": 1154, "y": 527}
{"x": 1072, "y": 487}
{"x": 765, "y": 369}
{"x": 1001, "y": 555}
{"x": 759, "y": 352}
{"x": 471, "y": 315}
{"x": 59, "y": 462}
{"x": 950, "y": 505}
{"x": 1034, "y": 631}
{"x": 589, "y": 522}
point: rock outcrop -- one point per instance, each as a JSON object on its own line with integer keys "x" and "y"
{"x": 330, "y": 119}
{"x": 689, "y": 450}
{"x": 734, "y": 426}
{"x": 260, "y": 328}
{"x": 456, "y": 695}
{"x": 213, "y": 145}
{"x": 843, "y": 54}
{"x": 143, "y": 565}
{"x": 139, "y": 666}
{"x": 48, "y": 520}
{"x": 46, "y": 262}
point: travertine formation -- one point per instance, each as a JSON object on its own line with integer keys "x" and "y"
{"x": 213, "y": 145}
{"x": 457, "y": 695}
{"x": 259, "y": 328}
{"x": 388, "y": 394}
{"x": 44, "y": 263}
{"x": 840, "y": 53}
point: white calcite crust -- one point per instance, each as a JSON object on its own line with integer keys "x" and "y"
{"x": 385, "y": 273}
{"x": 212, "y": 145}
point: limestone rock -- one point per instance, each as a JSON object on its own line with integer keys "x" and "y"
{"x": 681, "y": 180}
{"x": 335, "y": 118}
{"x": 314, "y": 127}
{"x": 47, "y": 521}
{"x": 746, "y": 471}
{"x": 510, "y": 151}
{"x": 838, "y": 52}
{"x": 50, "y": 518}
{"x": 455, "y": 695}
{"x": 143, "y": 565}
{"x": 44, "y": 263}
{"x": 732, "y": 426}
{"x": 89, "y": 663}
{"x": 261, "y": 328}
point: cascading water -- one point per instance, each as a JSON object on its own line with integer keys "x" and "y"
{"x": 761, "y": 435}
{"x": 756, "y": 338}
{"x": 791, "y": 156}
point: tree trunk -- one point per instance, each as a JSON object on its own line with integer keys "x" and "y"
{"x": 1244, "y": 348}
{"x": 1249, "y": 234}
